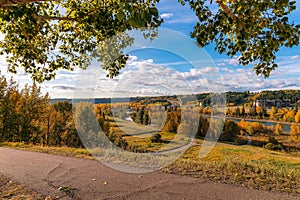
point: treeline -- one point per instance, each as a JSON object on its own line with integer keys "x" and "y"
{"x": 190, "y": 123}
{"x": 27, "y": 116}
{"x": 21, "y": 112}
{"x": 258, "y": 112}
{"x": 241, "y": 98}
{"x": 285, "y": 114}
{"x": 141, "y": 116}
{"x": 293, "y": 95}
{"x": 238, "y": 98}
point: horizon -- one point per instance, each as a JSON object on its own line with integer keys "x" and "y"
{"x": 128, "y": 97}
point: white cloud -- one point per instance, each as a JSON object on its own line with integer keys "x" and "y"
{"x": 225, "y": 69}
{"x": 166, "y": 15}
{"x": 232, "y": 61}
{"x": 192, "y": 62}
{"x": 242, "y": 79}
{"x": 201, "y": 72}
{"x": 131, "y": 59}
{"x": 146, "y": 78}
{"x": 183, "y": 19}
{"x": 288, "y": 66}
{"x": 221, "y": 64}
{"x": 294, "y": 57}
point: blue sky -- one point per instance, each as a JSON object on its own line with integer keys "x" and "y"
{"x": 172, "y": 64}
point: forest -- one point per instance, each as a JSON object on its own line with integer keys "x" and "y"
{"x": 28, "y": 116}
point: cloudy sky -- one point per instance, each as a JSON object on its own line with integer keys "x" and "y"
{"x": 171, "y": 64}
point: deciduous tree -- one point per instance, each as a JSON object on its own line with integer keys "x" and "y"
{"x": 273, "y": 112}
{"x": 295, "y": 133}
{"x": 230, "y": 131}
{"x": 44, "y": 36}
{"x": 297, "y": 117}
{"x": 278, "y": 129}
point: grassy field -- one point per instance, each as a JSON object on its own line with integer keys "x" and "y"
{"x": 140, "y": 136}
{"x": 249, "y": 166}
{"x": 124, "y": 127}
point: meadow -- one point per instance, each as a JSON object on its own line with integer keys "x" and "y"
{"x": 247, "y": 166}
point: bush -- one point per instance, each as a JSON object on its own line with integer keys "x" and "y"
{"x": 156, "y": 138}
{"x": 202, "y": 127}
{"x": 273, "y": 140}
{"x": 274, "y": 145}
{"x": 230, "y": 131}
{"x": 270, "y": 146}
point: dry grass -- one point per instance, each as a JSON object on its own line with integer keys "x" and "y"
{"x": 139, "y": 136}
{"x": 63, "y": 151}
{"x": 249, "y": 166}
{"x": 242, "y": 165}
{"x": 14, "y": 191}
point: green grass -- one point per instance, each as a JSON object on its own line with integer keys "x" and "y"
{"x": 168, "y": 141}
{"x": 139, "y": 136}
{"x": 242, "y": 165}
{"x": 124, "y": 127}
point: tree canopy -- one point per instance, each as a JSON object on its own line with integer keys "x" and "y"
{"x": 44, "y": 36}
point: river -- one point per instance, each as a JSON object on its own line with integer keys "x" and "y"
{"x": 286, "y": 127}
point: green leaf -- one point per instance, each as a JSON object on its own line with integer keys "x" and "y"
{"x": 121, "y": 15}
{"x": 154, "y": 11}
{"x": 65, "y": 188}
{"x": 146, "y": 15}
{"x": 239, "y": 8}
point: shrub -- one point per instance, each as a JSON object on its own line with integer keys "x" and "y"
{"x": 273, "y": 140}
{"x": 202, "y": 127}
{"x": 270, "y": 146}
{"x": 156, "y": 138}
{"x": 230, "y": 131}
{"x": 274, "y": 145}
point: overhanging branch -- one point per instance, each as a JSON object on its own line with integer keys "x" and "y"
{"x": 226, "y": 10}
{"x": 9, "y": 3}
{"x": 38, "y": 17}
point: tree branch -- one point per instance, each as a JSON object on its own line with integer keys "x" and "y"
{"x": 38, "y": 17}
{"x": 9, "y": 3}
{"x": 226, "y": 10}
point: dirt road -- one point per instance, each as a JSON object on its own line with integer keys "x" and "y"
{"x": 92, "y": 180}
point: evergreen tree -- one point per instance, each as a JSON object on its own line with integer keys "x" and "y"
{"x": 243, "y": 111}
{"x": 237, "y": 112}
{"x": 146, "y": 118}
{"x": 140, "y": 116}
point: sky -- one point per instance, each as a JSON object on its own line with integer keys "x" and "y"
{"x": 171, "y": 65}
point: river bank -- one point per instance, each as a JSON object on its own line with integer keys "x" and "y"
{"x": 262, "y": 120}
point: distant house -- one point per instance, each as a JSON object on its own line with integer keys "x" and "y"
{"x": 270, "y": 103}
{"x": 230, "y": 104}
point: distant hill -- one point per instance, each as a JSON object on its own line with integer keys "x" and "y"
{"x": 98, "y": 100}
{"x": 293, "y": 95}
{"x": 232, "y": 98}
